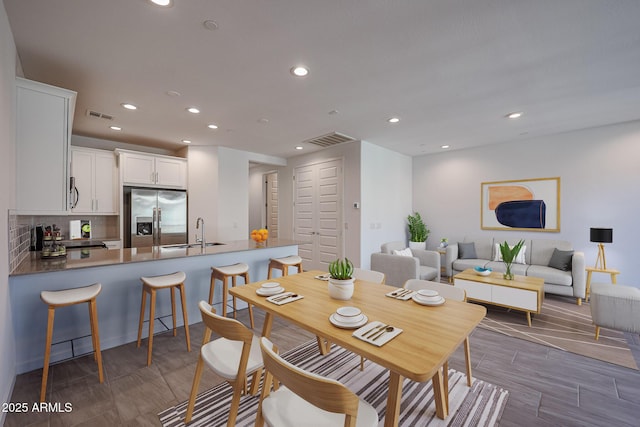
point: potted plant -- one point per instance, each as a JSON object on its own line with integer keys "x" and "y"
{"x": 418, "y": 231}
{"x": 341, "y": 279}
{"x": 444, "y": 242}
{"x": 509, "y": 253}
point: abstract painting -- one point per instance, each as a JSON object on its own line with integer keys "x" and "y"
{"x": 526, "y": 204}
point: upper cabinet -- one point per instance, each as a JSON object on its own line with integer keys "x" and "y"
{"x": 153, "y": 170}
{"x": 93, "y": 178}
{"x": 44, "y": 117}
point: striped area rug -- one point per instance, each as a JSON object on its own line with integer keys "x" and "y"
{"x": 479, "y": 405}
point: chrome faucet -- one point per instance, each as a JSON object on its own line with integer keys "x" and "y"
{"x": 200, "y": 240}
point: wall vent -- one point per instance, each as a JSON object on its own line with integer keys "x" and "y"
{"x": 98, "y": 115}
{"x": 329, "y": 139}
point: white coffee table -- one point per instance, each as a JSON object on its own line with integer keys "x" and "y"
{"x": 523, "y": 293}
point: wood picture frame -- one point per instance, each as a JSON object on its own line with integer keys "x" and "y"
{"x": 522, "y": 204}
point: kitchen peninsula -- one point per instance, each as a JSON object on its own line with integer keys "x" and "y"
{"x": 119, "y": 271}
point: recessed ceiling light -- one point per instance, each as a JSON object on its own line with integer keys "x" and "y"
{"x": 115, "y": 128}
{"x": 165, "y": 3}
{"x": 173, "y": 93}
{"x": 193, "y": 110}
{"x": 186, "y": 141}
{"x": 393, "y": 120}
{"x": 212, "y": 126}
{"x": 299, "y": 147}
{"x": 445, "y": 146}
{"x": 129, "y": 106}
{"x": 263, "y": 121}
{"x": 210, "y": 25}
{"x": 299, "y": 71}
{"x": 333, "y": 112}
{"x": 514, "y": 115}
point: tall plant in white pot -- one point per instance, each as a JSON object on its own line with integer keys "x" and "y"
{"x": 418, "y": 231}
{"x": 341, "y": 279}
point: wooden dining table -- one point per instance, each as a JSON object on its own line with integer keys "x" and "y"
{"x": 430, "y": 335}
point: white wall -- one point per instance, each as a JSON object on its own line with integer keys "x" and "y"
{"x": 7, "y": 201}
{"x": 599, "y": 188}
{"x": 233, "y": 194}
{"x": 385, "y": 198}
{"x": 203, "y": 190}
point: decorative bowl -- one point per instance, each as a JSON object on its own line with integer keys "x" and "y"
{"x": 428, "y": 295}
{"x": 270, "y": 285}
{"x": 349, "y": 314}
{"x": 481, "y": 271}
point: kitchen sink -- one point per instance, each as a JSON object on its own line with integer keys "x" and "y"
{"x": 190, "y": 245}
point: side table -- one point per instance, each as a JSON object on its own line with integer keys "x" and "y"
{"x": 442, "y": 251}
{"x": 591, "y": 270}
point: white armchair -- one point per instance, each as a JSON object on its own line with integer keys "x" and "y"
{"x": 398, "y": 269}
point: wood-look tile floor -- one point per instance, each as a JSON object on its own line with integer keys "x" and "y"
{"x": 547, "y": 387}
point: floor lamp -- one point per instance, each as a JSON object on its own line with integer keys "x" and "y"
{"x": 601, "y": 236}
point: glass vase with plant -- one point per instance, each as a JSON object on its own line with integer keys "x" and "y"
{"x": 509, "y": 254}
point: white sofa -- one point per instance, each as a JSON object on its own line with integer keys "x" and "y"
{"x": 538, "y": 253}
{"x": 398, "y": 269}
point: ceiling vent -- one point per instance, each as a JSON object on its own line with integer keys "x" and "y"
{"x": 98, "y": 115}
{"x": 329, "y": 139}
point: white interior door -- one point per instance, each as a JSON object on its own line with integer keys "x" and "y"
{"x": 318, "y": 213}
{"x": 272, "y": 203}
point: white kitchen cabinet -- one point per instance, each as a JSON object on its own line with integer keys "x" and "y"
{"x": 44, "y": 117}
{"x": 94, "y": 175}
{"x": 153, "y": 170}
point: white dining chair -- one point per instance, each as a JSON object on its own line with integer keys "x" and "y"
{"x": 306, "y": 399}
{"x": 233, "y": 356}
{"x": 368, "y": 275}
{"x": 448, "y": 292}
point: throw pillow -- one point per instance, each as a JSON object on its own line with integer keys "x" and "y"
{"x": 519, "y": 258}
{"x": 467, "y": 250}
{"x": 403, "y": 252}
{"x": 561, "y": 260}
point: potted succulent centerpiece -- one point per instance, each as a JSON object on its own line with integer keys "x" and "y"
{"x": 418, "y": 231}
{"x": 341, "y": 279}
{"x": 509, "y": 254}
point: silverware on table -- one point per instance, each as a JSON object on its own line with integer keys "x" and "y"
{"x": 382, "y": 332}
{"x": 374, "y": 330}
{"x": 283, "y": 296}
{"x": 402, "y": 293}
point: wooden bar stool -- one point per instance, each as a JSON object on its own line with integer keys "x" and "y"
{"x": 151, "y": 285}
{"x": 283, "y": 264}
{"x": 223, "y": 273}
{"x": 56, "y": 299}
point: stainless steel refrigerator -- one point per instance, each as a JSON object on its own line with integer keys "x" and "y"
{"x": 154, "y": 217}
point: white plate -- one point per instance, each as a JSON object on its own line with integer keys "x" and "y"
{"x": 348, "y": 320}
{"x": 427, "y": 293}
{"x": 269, "y": 285}
{"x": 269, "y": 291}
{"x": 423, "y": 302}
{"x": 350, "y": 325}
{"x": 349, "y": 311}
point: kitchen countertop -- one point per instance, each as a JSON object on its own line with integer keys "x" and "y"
{"x": 97, "y": 257}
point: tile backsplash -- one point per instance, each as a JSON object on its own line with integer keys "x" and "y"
{"x": 19, "y": 241}
{"x": 102, "y": 227}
